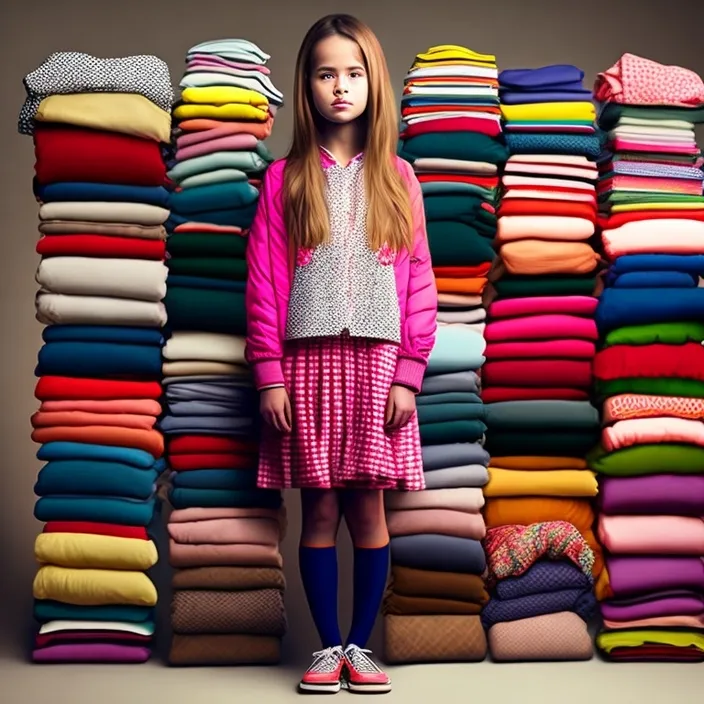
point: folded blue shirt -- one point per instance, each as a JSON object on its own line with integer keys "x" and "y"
{"x": 62, "y": 450}
{"x": 543, "y": 77}
{"x": 107, "y": 192}
{"x": 103, "y": 333}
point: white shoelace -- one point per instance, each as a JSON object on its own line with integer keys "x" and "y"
{"x": 360, "y": 660}
{"x": 326, "y": 660}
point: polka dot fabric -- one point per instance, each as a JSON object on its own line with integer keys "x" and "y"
{"x": 339, "y": 388}
{"x": 67, "y": 72}
{"x": 634, "y": 80}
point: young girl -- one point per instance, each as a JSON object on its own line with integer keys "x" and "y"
{"x": 341, "y": 306}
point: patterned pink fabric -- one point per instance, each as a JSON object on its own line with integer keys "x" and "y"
{"x": 635, "y": 80}
{"x": 628, "y": 406}
{"x": 338, "y": 389}
{"x": 646, "y": 431}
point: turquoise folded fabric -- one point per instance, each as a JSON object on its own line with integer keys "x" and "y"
{"x": 233, "y": 217}
{"x": 46, "y": 610}
{"x": 431, "y": 188}
{"x": 221, "y": 498}
{"x": 81, "y": 477}
{"x": 221, "y": 196}
{"x": 249, "y": 162}
{"x": 99, "y": 359}
{"x": 447, "y": 412}
{"x": 542, "y": 415}
{"x": 224, "y": 479}
{"x": 458, "y": 348}
{"x": 452, "y": 431}
{"x": 545, "y": 143}
{"x": 129, "y": 512}
{"x": 103, "y": 333}
{"x": 60, "y": 450}
{"x": 449, "y": 397}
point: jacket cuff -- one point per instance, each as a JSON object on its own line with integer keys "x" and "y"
{"x": 267, "y": 373}
{"x": 410, "y": 373}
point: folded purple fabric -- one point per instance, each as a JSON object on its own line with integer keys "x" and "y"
{"x": 661, "y": 494}
{"x": 544, "y": 576}
{"x": 549, "y": 77}
{"x": 673, "y": 603}
{"x": 91, "y": 653}
{"x": 641, "y": 575}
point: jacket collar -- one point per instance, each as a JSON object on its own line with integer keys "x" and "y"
{"x": 328, "y": 159}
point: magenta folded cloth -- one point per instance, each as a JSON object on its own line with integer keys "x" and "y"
{"x": 541, "y": 327}
{"x": 91, "y": 653}
{"x": 543, "y": 305}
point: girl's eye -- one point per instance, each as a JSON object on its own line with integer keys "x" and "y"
{"x": 326, "y": 75}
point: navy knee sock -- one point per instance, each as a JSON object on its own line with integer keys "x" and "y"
{"x": 318, "y": 567}
{"x": 370, "y": 571}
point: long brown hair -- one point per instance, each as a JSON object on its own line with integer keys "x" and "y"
{"x": 389, "y": 218}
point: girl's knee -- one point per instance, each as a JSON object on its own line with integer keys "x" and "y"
{"x": 321, "y": 514}
{"x": 366, "y": 519}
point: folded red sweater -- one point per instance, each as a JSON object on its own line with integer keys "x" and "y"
{"x": 212, "y": 460}
{"x": 658, "y": 360}
{"x": 65, "y": 388}
{"x": 541, "y": 373}
{"x": 204, "y": 444}
{"x": 492, "y": 128}
{"x": 557, "y": 208}
{"x": 100, "y": 246}
{"x": 111, "y": 529}
{"x": 68, "y": 153}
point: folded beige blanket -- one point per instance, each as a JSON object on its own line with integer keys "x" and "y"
{"x": 223, "y": 649}
{"x": 436, "y": 520}
{"x": 204, "y": 368}
{"x": 186, "y": 345}
{"x": 469, "y": 500}
{"x": 419, "y": 639}
{"x": 196, "y": 513}
{"x": 560, "y": 636}
{"x": 135, "y": 279}
{"x": 223, "y": 531}
{"x": 455, "y": 165}
{"x": 115, "y": 229}
{"x": 182, "y": 555}
{"x": 99, "y": 211}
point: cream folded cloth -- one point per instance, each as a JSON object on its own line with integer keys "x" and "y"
{"x": 465, "y": 499}
{"x": 136, "y": 279}
{"x": 454, "y": 165}
{"x": 203, "y": 368}
{"x": 60, "y": 309}
{"x": 186, "y": 345}
{"x": 99, "y": 211}
{"x": 543, "y": 227}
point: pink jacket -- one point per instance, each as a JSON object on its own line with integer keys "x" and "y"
{"x": 269, "y": 285}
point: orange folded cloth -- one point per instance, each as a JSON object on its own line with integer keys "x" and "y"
{"x": 527, "y": 462}
{"x": 458, "y": 272}
{"x": 137, "y": 406}
{"x": 473, "y": 286}
{"x": 545, "y": 257}
{"x": 151, "y": 441}
{"x": 46, "y": 419}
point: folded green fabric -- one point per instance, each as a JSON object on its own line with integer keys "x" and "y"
{"x": 574, "y": 443}
{"x": 447, "y": 412}
{"x": 656, "y": 386}
{"x": 635, "y": 637}
{"x": 525, "y": 286}
{"x": 633, "y": 197}
{"x": 46, "y": 610}
{"x": 448, "y": 397}
{"x": 647, "y": 459}
{"x": 207, "y": 310}
{"x": 463, "y": 208}
{"x": 467, "y": 146}
{"x": 542, "y": 415}
{"x": 610, "y": 113}
{"x": 450, "y": 432}
{"x": 208, "y": 267}
{"x": 667, "y": 333}
{"x": 489, "y": 195}
{"x": 218, "y": 498}
{"x": 201, "y": 244}
{"x": 224, "y": 479}
{"x": 457, "y": 244}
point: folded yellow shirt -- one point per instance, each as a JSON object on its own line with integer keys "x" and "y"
{"x": 233, "y": 111}
{"x": 549, "y": 111}
{"x": 632, "y": 638}
{"x": 454, "y": 51}
{"x": 106, "y": 552}
{"x": 90, "y": 587}
{"x": 530, "y": 462}
{"x": 127, "y": 113}
{"x": 420, "y": 63}
{"x": 222, "y": 95}
{"x": 553, "y": 482}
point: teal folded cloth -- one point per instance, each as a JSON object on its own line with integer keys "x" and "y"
{"x": 205, "y": 283}
{"x": 220, "y": 196}
{"x": 60, "y": 450}
{"x": 103, "y": 333}
{"x": 546, "y": 143}
{"x": 542, "y": 415}
{"x": 81, "y": 477}
{"x": 467, "y": 146}
{"x": 225, "y": 479}
{"x": 206, "y": 310}
{"x": 567, "y": 443}
{"x": 458, "y": 244}
{"x": 248, "y": 162}
{"x": 461, "y": 208}
{"x": 445, "y": 412}
{"x": 232, "y": 217}
{"x": 46, "y": 610}
{"x": 224, "y": 498}
{"x": 102, "y": 360}
{"x": 81, "y": 191}
{"x": 100, "y": 509}
{"x": 430, "y": 188}
{"x": 458, "y": 348}
{"x": 447, "y": 397}
{"x": 451, "y": 432}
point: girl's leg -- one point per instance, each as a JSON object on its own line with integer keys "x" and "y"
{"x": 366, "y": 521}
{"x": 317, "y": 558}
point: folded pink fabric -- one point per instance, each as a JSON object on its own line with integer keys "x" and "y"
{"x": 541, "y": 327}
{"x": 662, "y": 236}
{"x": 459, "y": 524}
{"x": 188, "y": 515}
{"x": 651, "y": 185}
{"x": 511, "y": 181}
{"x": 204, "y": 59}
{"x": 629, "y": 145}
{"x": 639, "y": 81}
{"x": 549, "y": 194}
{"x": 183, "y": 555}
{"x": 543, "y": 305}
{"x": 652, "y": 535}
{"x": 629, "y": 406}
{"x": 543, "y": 227}
{"x": 659, "y": 622}
{"x": 581, "y": 162}
{"x": 227, "y": 531}
{"x": 651, "y": 431}
{"x": 551, "y": 170}
{"x": 549, "y": 349}
{"x": 234, "y": 142}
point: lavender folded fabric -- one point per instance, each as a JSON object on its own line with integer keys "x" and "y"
{"x": 544, "y": 576}
{"x": 661, "y": 494}
{"x": 91, "y": 653}
{"x": 667, "y": 603}
{"x": 641, "y": 575}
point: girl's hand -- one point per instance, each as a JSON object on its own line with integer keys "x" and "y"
{"x": 400, "y": 407}
{"x": 275, "y": 407}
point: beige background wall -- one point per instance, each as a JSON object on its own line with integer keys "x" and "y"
{"x": 522, "y": 33}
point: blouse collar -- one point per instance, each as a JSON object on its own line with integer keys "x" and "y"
{"x": 328, "y": 159}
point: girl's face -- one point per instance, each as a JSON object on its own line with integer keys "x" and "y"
{"x": 339, "y": 80}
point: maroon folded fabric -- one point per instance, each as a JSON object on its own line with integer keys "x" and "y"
{"x": 538, "y": 373}
{"x": 44, "y": 640}
{"x": 655, "y": 653}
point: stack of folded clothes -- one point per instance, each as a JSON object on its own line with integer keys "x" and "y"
{"x": 98, "y": 127}
{"x": 650, "y": 370}
{"x": 541, "y": 582}
{"x": 436, "y": 593}
{"x": 224, "y": 532}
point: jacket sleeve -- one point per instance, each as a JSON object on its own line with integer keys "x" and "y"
{"x": 264, "y": 348}
{"x": 420, "y": 325}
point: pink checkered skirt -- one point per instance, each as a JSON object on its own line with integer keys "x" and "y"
{"x": 339, "y": 388}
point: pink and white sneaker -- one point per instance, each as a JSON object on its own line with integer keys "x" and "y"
{"x": 363, "y": 674}
{"x": 324, "y": 676}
